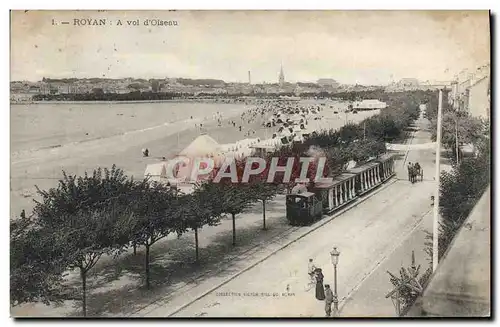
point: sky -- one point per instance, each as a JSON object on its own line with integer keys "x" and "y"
{"x": 364, "y": 47}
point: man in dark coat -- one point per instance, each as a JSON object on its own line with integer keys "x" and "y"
{"x": 328, "y": 300}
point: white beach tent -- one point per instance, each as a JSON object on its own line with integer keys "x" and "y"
{"x": 228, "y": 147}
{"x": 247, "y": 142}
{"x": 298, "y": 138}
{"x": 285, "y": 133}
{"x": 156, "y": 172}
{"x": 296, "y": 118}
{"x": 203, "y": 145}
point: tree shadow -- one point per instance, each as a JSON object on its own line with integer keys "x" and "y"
{"x": 117, "y": 288}
{"x": 272, "y": 207}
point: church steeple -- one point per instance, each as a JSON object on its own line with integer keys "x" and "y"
{"x": 282, "y": 76}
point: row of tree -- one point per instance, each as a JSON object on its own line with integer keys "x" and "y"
{"x": 85, "y": 218}
{"x": 460, "y": 190}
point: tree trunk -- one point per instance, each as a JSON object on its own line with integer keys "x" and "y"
{"x": 196, "y": 243}
{"x": 135, "y": 248}
{"x": 83, "y": 275}
{"x": 264, "y": 214}
{"x": 234, "y": 229}
{"x": 147, "y": 266}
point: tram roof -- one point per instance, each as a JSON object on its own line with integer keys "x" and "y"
{"x": 303, "y": 194}
{"x": 335, "y": 181}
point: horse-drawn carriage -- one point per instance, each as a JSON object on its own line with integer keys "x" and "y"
{"x": 415, "y": 172}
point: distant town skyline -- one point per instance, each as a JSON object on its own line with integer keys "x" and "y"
{"x": 352, "y": 47}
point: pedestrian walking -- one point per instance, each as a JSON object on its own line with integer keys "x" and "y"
{"x": 328, "y": 300}
{"x": 320, "y": 292}
{"x": 410, "y": 168}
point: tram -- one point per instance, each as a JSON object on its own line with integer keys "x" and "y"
{"x": 304, "y": 207}
{"x": 386, "y": 166}
{"x": 337, "y": 193}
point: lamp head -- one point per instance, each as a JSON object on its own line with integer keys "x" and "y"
{"x": 335, "y": 256}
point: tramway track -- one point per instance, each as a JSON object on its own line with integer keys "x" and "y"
{"x": 381, "y": 259}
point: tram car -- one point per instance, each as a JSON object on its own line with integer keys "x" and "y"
{"x": 303, "y": 207}
{"x": 337, "y": 193}
{"x": 366, "y": 177}
{"x": 386, "y": 166}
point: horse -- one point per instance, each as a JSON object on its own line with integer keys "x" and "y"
{"x": 413, "y": 174}
{"x": 419, "y": 171}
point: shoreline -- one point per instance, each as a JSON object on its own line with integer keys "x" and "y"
{"x": 124, "y": 102}
{"x": 237, "y": 99}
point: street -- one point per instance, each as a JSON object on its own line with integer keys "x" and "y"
{"x": 369, "y": 299}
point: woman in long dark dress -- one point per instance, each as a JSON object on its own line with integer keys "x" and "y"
{"x": 320, "y": 291}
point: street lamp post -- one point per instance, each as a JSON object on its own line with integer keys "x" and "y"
{"x": 335, "y": 260}
{"x": 435, "y": 227}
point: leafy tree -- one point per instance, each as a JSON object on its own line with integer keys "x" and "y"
{"x": 350, "y": 132}
{"x": 470, "y": 130}
{"x": 228, "y": 198}
{"x": 197, "y": 210}
{"x": 338, "y": 159}
{"x": 37, "y": 263}
{"x": 89, "y": 235}
{"x": 408, "y": 285}
{"x": 263, "y": 191}
{"x": 362, "y": 150}
{"x": 385, "y": 127}
{"x": 463, "y": 186}
{"x": 324, "y": 139}
{"x": 460, "y": 190}
{"x": 156, "y": 214}
{"x": 89, "y": 213}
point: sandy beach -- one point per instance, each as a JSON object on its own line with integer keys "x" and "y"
{"x": 46, "y": 139}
